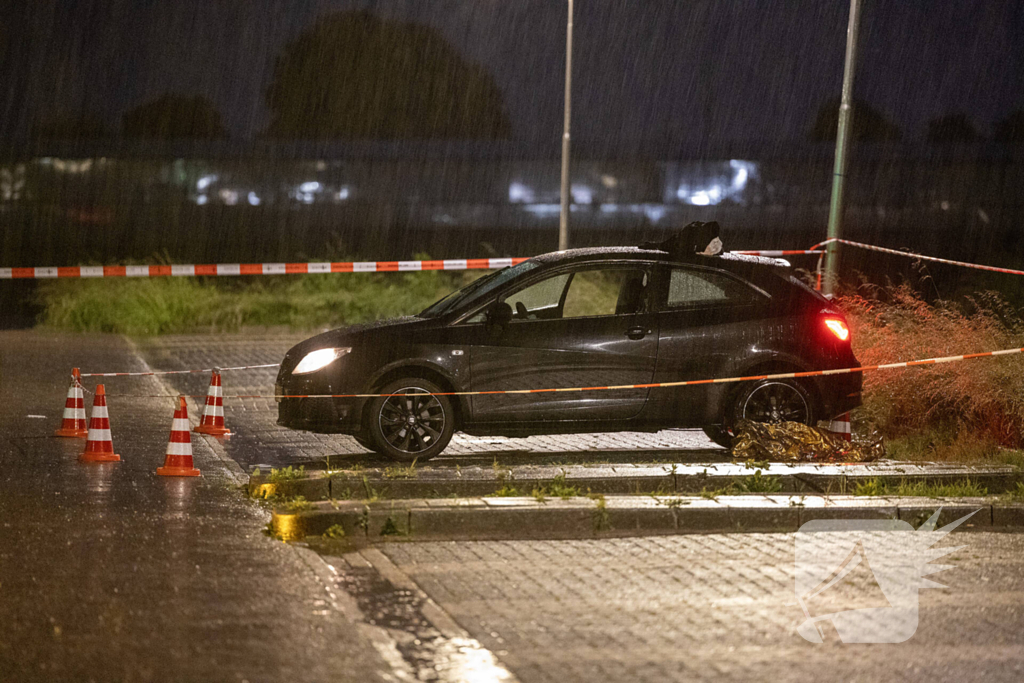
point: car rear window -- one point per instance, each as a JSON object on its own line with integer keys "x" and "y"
{"x": 694, "y": 287}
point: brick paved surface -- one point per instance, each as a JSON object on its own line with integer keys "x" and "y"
{"x": 711, "y": 607}
{"x": 260, "y": 441}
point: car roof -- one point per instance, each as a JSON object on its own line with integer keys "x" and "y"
{"x": 726, "y": 260}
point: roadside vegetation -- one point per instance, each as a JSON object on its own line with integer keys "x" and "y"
{"x": 967, "y": 411}
{"x": 178, "y": 305}
{"x": 908, "y": 488}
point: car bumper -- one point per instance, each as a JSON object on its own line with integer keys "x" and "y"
{"x": 324, "y": 415}
{"x": 841, "y": 394}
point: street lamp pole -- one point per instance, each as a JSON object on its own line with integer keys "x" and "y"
{"x": 566, "y": 192}
{"x": 835, "y": 211}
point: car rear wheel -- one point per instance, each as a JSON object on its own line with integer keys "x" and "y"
{"x": 771, "y": 401}
{"x": 412, "y": 423}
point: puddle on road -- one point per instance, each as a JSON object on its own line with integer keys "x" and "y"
{"x": 430, "y": 654}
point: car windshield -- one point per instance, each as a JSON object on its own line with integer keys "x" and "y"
{"x": 478, "y": 289}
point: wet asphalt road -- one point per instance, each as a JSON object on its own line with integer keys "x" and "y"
{"x": 109, "y": 573}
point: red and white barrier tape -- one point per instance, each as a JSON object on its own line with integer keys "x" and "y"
{"x": 174, "y": 372}
{"x": 231, "y": 269}
{"x": 910, "y": 254}
{"x": 785, "y": 252}
{"x": 235, "y": 269}
{"x": 654, "y": 385}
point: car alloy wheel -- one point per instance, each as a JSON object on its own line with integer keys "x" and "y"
{"x": 770, "y": 401}
{"x": 411, "y": 422}
{"x": 777, "y": 401}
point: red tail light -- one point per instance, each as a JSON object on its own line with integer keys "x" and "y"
{"x": 838, "y": 327}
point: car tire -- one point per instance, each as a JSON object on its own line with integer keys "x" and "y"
{"x": 776, "y": 400}
{"x": 719, "y": 434}
{"x": 413, "y": 429}
{"x": 363, "y": 441}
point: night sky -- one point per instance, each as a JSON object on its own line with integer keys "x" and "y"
{"x": 646, "y": 70}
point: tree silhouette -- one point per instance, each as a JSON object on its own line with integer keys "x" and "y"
{"x": 82, "y": 126}
{"x": 952, "y": 128}
{"x": 174, "y": 116}
{"x": 1011, "y": 128}
{"x": 869, "y": 124}
{"x": 356, "y": 76}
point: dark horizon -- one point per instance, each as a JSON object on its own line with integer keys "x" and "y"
{"x": 690, "y": 74}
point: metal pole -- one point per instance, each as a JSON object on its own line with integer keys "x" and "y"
{"x": 563, "y": 218}
{"x": 835, "y": 211}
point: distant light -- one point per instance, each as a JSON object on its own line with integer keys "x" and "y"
{"x": 944, "y": 205}
{"x": 609, "y": 208}
{"x": 654, "y": 212}
{"x": 310, "y": 186}
{"x": 254, "y": 200}
{"x": 581, "y": 194}
{"x": 229, "y": 197}
{"x": 343, "y": 194}
{"x": 742, "y": 172}
{"x": 543, "y": 209}
{"x": 206, "y": 181}
{"x": 520, "y": 194}
{"x": 202, "y": 199}
{"x": 714, "y": 188}
{"x": 609, "y": 181}
{"x": 306, "y": 197}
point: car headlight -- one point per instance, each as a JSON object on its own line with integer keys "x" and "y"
{"x": 321, "y": 358}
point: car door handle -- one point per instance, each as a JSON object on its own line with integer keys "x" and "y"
{"x": 637, "y": 332}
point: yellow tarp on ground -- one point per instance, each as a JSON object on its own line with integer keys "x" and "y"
{"x": 795, "y": 442}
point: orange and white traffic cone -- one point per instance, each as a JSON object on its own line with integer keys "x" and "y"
{"x": 841, "y": 426}
{"x": 212, "y": 422}
{"x": 178, "y": 462}
{"x": 74, "y": 424}
{"x": 99, "y": 447}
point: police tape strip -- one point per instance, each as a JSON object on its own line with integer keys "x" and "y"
{"x": 653, "y": 385}
{"x": 237, "y": 269}
{"x": 784, "y": 252}
{"x": 232, "y": 269}
{"x": 910, "y": 254}
{"x": 174, "y": 372}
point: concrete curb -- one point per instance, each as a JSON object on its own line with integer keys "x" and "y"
{"x": 659, "y": 479}
{"x": 527, "y": 518}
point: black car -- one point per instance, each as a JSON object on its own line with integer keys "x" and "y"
{"x": 580, "y": 318}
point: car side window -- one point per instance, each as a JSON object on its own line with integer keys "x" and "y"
{"x": 583, "y": 293}
{"x": 539, "y": 300}
{"x": 693, "y": 287}
{"x": 605, "y": 291}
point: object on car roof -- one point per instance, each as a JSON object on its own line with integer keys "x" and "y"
{"x": 696, "y": 238}
{"x": 796, "y": 442}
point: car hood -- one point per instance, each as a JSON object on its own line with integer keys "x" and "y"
{"x": 348, "y": 336}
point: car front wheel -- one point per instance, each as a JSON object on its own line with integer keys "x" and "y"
{"x": 411, "y": 422}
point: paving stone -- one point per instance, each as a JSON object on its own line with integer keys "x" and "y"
{"x": 708, "y": 607}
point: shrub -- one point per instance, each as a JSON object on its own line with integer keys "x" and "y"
{"x": 984, "y": 398}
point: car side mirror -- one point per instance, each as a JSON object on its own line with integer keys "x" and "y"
{"x": 499, "y": 315}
